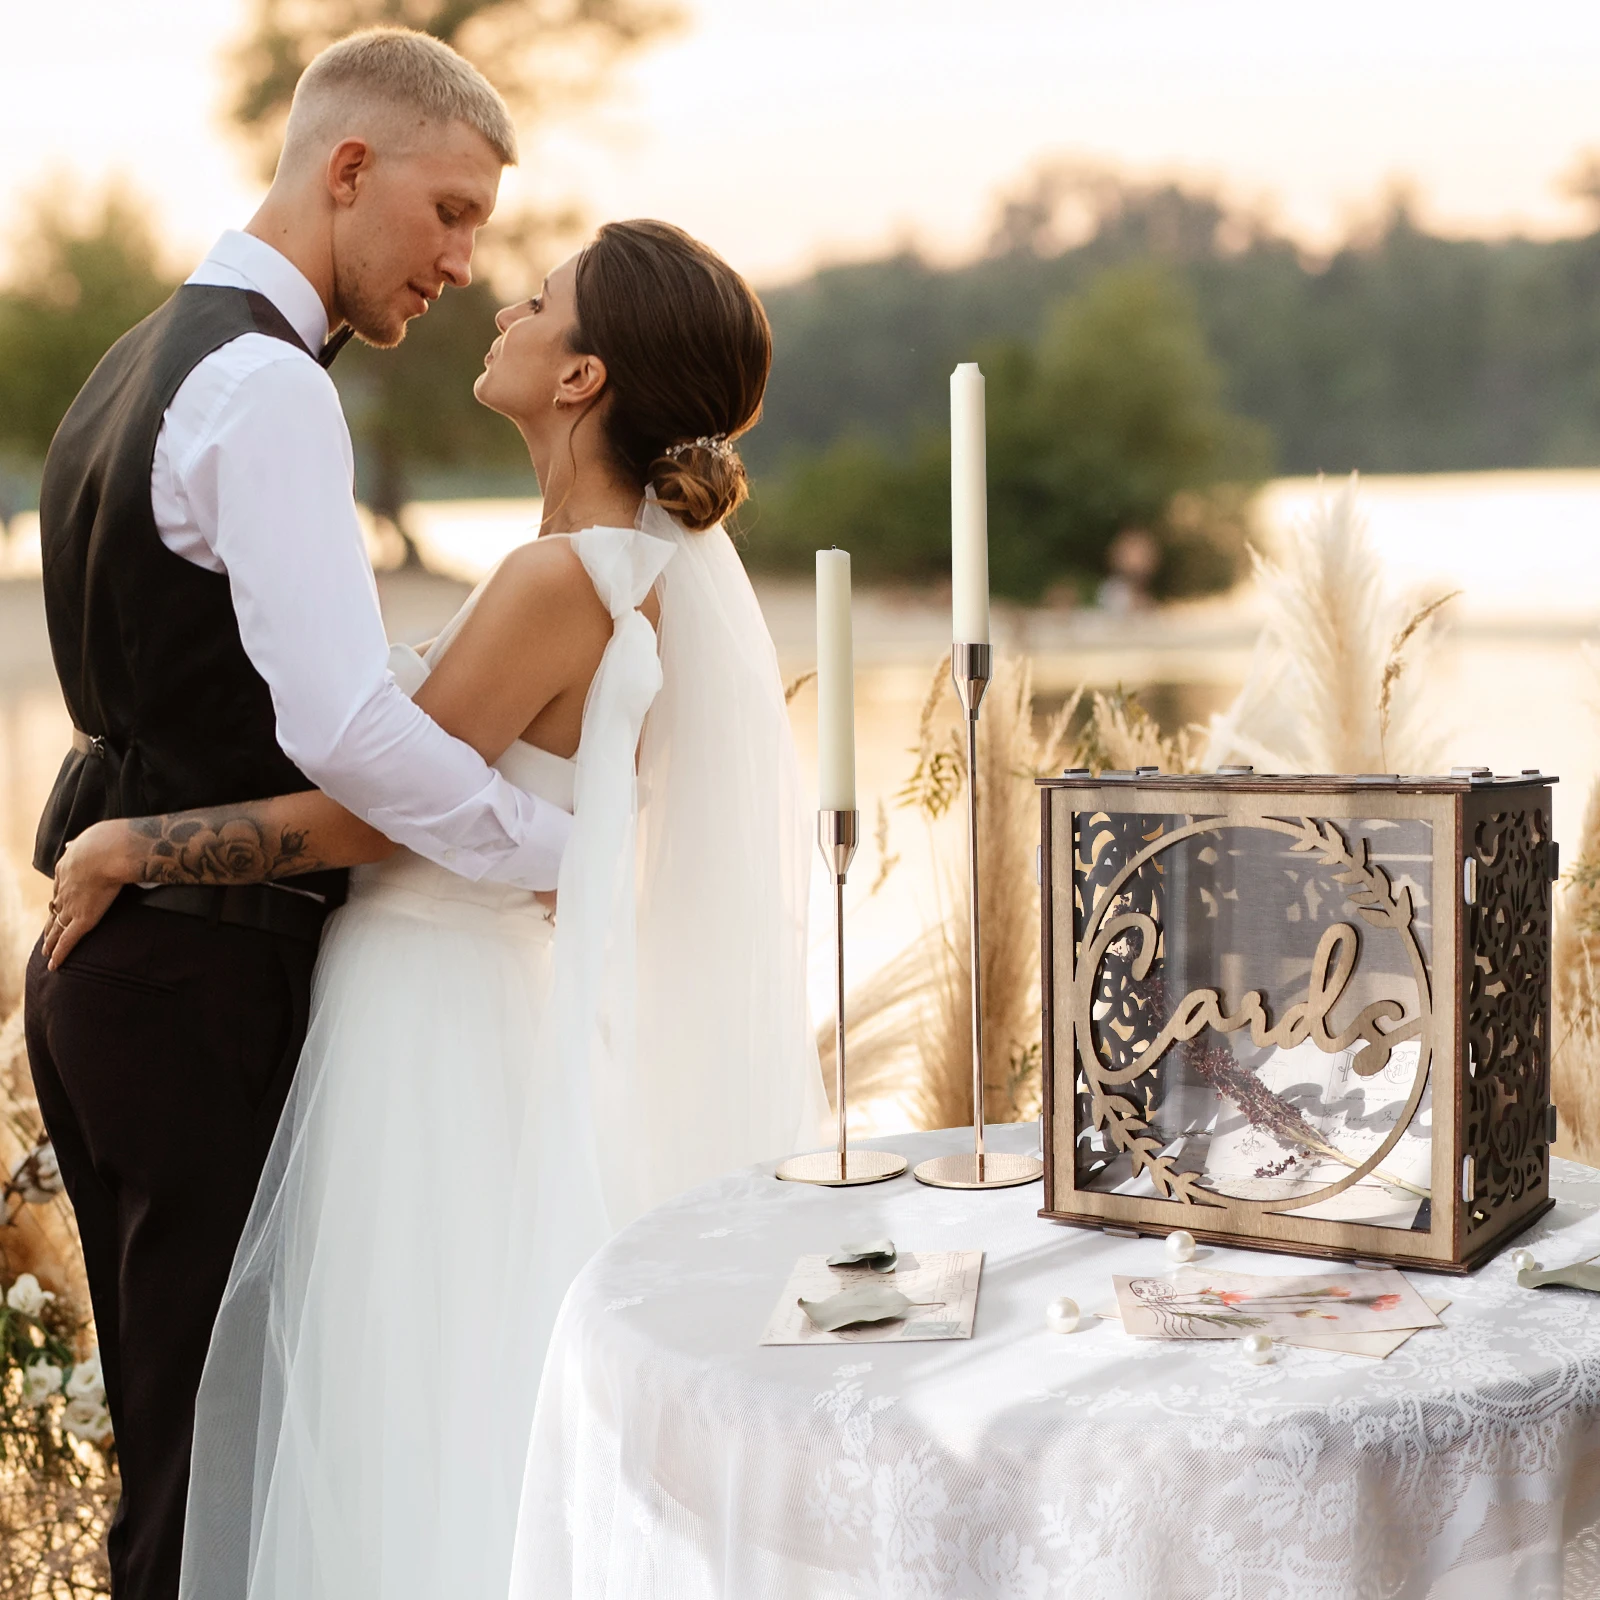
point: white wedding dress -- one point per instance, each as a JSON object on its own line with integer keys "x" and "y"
{"x": 471, "y": 1116}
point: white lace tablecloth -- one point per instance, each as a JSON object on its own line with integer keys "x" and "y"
{"x": 675, "y": 1459}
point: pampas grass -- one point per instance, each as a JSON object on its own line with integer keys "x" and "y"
{"x": 1334, "y": 685}
{"x": 1010, "y": 757}
{"x": 909, "y": 1025}
{"x": 1119, "y": 735}
{"x": 1575, "y": 996}
{"x": 15, "y": 942}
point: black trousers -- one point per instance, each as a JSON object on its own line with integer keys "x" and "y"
{"x": 162, "y": 1051}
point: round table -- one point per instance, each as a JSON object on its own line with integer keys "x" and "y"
{"x": 674, "y": 1458}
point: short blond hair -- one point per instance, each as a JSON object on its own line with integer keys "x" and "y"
{"x": 368, "y": 82}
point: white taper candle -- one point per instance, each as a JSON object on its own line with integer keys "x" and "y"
{"x": 836, "y": 685}
{"x": 969, "y": 508}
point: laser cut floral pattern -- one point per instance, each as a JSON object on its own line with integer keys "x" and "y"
{"x": 1506, "y": 1087}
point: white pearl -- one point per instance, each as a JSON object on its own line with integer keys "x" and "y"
{"x": 1180, "y": 1245}
{"x": 1061, "y": 1315}
{"x": 1523, "y": 1261}
{"x": 1257, "y": 1348}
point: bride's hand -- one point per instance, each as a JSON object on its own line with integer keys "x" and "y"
{"x": 89, "y": 876}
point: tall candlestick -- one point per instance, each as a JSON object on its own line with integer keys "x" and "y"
{"x": 836, "y": 696}
{"x": 969, "y": 507}
{"x": 838, "y": 823}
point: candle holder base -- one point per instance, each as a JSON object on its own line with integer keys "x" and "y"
{"x": 996, "y": 1169}
{"x": 842, "y": 1170}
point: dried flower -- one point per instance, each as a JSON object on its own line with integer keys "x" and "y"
{"x": 1575, "y": 995}
{"x": 1217, "y": 1065}
{"x": 887, "y": 861}
{"x": 1395, "y": 664}
{"x": 36, "y": 1178}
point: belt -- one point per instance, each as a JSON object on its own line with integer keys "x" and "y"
{"x": 245, "y": 905}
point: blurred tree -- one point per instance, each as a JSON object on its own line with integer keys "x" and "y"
{"x": 84, "y": 276}
{"x": 1400, "y": 351}
{"x": 1112, "y": 421}
{"x": 1100, "y": 427}
{"x": 542, "y": 55}
{"x": 413, "y": 407}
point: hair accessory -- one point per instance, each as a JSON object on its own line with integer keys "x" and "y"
{"x": 716, "y": 443}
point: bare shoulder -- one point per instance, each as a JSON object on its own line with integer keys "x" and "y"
{"x": 551, "y": 560}
{"x": 546, "y": 581}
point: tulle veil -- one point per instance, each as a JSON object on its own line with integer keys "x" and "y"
{"x": 726, "y": 1073}
{"x": 672, "y": 1043}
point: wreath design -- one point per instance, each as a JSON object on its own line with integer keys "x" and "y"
{"x": 1370, "y": 894}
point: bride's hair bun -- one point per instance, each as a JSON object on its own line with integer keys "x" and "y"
{"x": 687, "y": 350}
{"x": 700, "y": 481}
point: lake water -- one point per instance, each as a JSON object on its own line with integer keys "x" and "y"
{"x": 1512, "y": 686}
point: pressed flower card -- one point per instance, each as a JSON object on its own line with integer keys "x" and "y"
{"x": 1375, "y": 1345}
{"x": 1193, "y": 1303}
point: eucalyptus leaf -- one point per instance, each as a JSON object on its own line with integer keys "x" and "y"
{"x": 865, "y": 1302}
{"x": 879, "y": 1254}
{"x": 1581, "y": 1275}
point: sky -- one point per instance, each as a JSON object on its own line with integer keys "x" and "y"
{"x": 793, "y": 132}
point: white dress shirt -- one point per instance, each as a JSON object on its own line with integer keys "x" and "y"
{"x": 252, "y": 477}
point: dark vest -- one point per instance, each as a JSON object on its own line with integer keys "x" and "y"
{"x": 146, "y": 644}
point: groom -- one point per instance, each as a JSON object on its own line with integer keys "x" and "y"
{"x": 217, "y": 637}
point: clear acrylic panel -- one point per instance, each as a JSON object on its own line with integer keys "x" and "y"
{"x": 1277, "y": 968}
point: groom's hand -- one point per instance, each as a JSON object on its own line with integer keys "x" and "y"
{"x": 89, "y": 876}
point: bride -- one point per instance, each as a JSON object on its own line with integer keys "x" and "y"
{"x": 491, "y": 1084}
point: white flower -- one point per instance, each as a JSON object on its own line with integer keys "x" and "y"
{"x": 39, "y": 1382}
{"x": 27, "y": 1297}
{"x": 87, "y": 1382}
{"x": 47, "y": 1171}
{"x": 87, "y": 1419}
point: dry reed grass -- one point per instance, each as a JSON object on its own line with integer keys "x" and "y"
{"x": 1119, "y": 735}
{"x": 1010, "y": 756}
{"x": 56, "y": 1497}
{"x": 909, "y": 1024}
{"x": 41, "y": 1239}
{"x": 1575, "y": 997}
{"x": 1334, "y": 686}
{"x": 915, "y": 1012}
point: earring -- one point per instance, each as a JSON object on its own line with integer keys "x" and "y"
{"x": 558, "y": 402}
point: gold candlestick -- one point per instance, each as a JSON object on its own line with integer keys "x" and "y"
{"x": 971, "y": 665}
{"x": 840, "y": 1168}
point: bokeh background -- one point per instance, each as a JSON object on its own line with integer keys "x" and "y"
{"x": 1204, "y": 254}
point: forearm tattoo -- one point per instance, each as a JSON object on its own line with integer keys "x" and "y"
{"x": 229, "y": 844}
